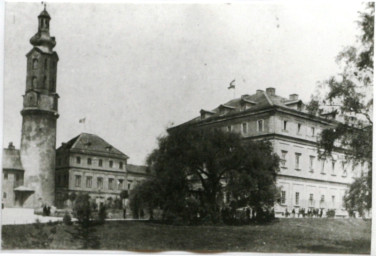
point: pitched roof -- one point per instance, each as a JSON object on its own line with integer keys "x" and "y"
{"x": 91, "y": 144}
{"x": 139, "y": 169}
{"x": 12, "y": 159}
{"x": 257, "y": 101}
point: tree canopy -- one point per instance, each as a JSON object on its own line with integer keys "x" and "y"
{"x": 349, "y": 94}
{"x": 196, "y": 168}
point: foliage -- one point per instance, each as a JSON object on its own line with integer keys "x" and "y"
{"x": 331, "y": 213}
{"x": 67, "y": 219}
{"x": 349, "y": 96}
{"x": 145, "y": 195}
{"x": 41, "y": 237}
{"x": 201, "y": 162}
{"x": 102, "y": 214}
{"x": 84, "y": 231}
{"x": 124, "y": 194}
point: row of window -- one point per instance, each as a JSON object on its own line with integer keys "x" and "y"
{"x": 260, "y": 127}
{"x": 244, "y": 127}
{"x": 99, "y": 185}
{"x": 298, "y": 156}
{"x": 89, "y": 161}
{"x": 311, "y": 201}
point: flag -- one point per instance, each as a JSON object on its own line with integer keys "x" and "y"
{"x": 82, "y": 120}
{"x": 232, "y": 86}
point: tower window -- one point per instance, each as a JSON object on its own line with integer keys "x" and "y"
{"x": 35, "y": 63}
{"x": 44, "y": 82}
{"x": 120, "y": 165}
{"x": 260, "y": 125}
{"x": 34, "y": 82}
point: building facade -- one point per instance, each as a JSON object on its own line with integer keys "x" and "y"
{"x": 305, "y": 180}
{"x": 88, "y": 164}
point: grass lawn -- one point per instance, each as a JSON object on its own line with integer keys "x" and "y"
{"x": 286, "y": 235}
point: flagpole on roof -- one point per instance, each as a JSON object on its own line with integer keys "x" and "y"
{"x": 83, "y": 121}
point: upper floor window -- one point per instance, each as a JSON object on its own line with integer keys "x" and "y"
{"x": 313, "y": 131}
{"x": 111, "y": 163}
{"x": 244, "y": 128}
{"x": 311, "y": 163}
{"x": 322, "y": 165}
{"x": 120, "y": 165}
{"x": 45, "y": 64}
{"x": 283, "y": 158}
{"x": 100, "y": 162}
{"x": 344, "y": 168}
{"x": 5, "y": 176}
{"x": 333, "y": 201}
{"x": 35, "y": 63}
{"x": 333, "y": 167}
{"x": 260, "y": 125}
{"x": 78, "y": 160}
{"x": 284, "y": 125}
{"x": 100, "y": 182}
{"x": 89, "y": 182}
{"x": 120, "y": 184}
{"x": 297, "y": 161}
{"x": 4, "y": 195}
{"x": 77, "y": 181}
{"x": 322, "y": 198}
{"x": 229, "y": 128}
{"x": 89, "y": 161}
{"x": 110, "y": 183}
{"x": 299, "y": 128}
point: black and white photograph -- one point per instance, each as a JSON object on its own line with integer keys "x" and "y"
{"x": 241, "y": 126}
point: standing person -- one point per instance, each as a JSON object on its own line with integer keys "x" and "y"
{"x": 125, "y": 205}
{"x": 293, "y": 212}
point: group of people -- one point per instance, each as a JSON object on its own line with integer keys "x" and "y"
{"x": 311, "y": 212}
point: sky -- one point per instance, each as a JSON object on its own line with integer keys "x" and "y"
{"x": 132, "y": 70}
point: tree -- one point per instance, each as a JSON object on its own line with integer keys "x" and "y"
{"x": 350, "y": 95}
{"x": 84, "y": 231}
{"x": 188, "y": 160}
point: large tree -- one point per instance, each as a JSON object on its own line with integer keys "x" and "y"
{"x": 349, "y": 94}
{"x": 210, "y": 162}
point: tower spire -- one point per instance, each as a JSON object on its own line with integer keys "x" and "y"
{"x": 42, "y": 38}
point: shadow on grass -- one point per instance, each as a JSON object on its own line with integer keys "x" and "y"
{"x": 351, "y": 247}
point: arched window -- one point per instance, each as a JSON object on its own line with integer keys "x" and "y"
{"x": 34, "y": 82}
{"x": 35, "y": 63}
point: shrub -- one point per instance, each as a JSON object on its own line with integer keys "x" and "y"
{"x": 331, "y": 213}
{"x": 67, "y": 219}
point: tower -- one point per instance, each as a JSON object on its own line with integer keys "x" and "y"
{"x": 39, "y": 116}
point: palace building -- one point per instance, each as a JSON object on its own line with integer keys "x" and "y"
{"x": 305, "y": 180}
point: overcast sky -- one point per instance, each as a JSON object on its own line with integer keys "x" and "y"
{"x": 132, "y": 70}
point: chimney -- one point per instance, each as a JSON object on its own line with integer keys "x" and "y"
{"x": 270, "y": 91}
{"x": 259, "y": 92}
{"x": 11, "y": 146}
{"x": 294, "y": 96}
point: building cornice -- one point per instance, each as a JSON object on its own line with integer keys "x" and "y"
{"x": 311, "y": 179}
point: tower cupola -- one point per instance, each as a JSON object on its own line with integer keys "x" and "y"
{"x": 42, "y": 38}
